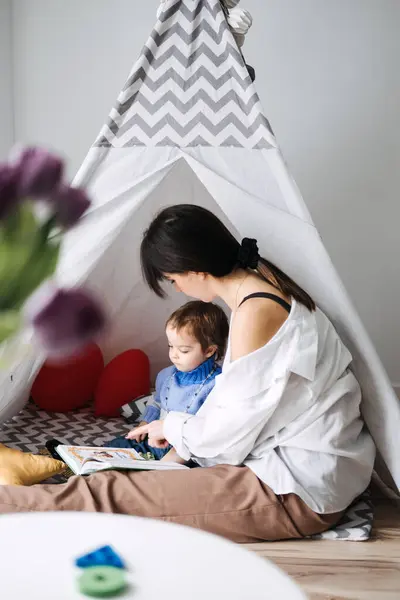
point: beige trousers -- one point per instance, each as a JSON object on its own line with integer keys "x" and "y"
{"x": 225, "y": 500}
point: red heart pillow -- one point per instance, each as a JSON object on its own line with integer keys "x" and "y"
{"x": 67, "y": 385}
{"x": 125, "y": 378}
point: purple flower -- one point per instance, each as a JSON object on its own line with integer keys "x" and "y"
{"x": 9, "y": 197}
{"x": 70, "y": 204}
{"x": 40, "y": 172}
{"x": 64, "y": 321}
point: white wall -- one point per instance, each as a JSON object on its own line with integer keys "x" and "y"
{"x": 327, "y": 73}
{"x": 6, "y": 113}
{"x": 71, "y": 60}
{"x": 329, "y": 80}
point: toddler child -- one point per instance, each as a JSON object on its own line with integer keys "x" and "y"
{"x": 197, "y": 334}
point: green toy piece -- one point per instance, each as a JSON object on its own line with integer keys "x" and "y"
{"x": 102, "y": 582}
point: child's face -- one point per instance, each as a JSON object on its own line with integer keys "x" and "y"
{"x": 185, "y": 352}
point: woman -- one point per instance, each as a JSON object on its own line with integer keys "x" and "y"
{"x": 281, "y": 441}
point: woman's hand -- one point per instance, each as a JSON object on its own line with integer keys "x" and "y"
{"x": 155, "y": 432}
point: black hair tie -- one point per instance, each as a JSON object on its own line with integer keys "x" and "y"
{"x": 248, "y": 254}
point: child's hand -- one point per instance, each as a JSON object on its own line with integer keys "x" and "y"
{"x": 138, "y": 437}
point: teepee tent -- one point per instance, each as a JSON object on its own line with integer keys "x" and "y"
{"x": 188, "y": 127}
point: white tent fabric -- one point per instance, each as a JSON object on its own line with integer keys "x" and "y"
{"x": 188, "y": 127}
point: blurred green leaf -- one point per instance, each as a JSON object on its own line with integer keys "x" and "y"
{"x": 9, "y": 324}
{"x": 40, "y": 268}
{"x": 21, "y": 226}
{"x": 13, "y": 259}
{"x": 17, "y": 242}
{"x": 27, "y": 257}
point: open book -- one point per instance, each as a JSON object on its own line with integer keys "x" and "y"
{"x": 83, "y": 460}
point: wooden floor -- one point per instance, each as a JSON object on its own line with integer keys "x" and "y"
{"x": 330, "y": 570}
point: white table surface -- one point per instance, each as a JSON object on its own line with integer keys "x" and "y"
{"x": 165, "y": 562}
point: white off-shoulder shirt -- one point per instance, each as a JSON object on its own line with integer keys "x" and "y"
{"x": 290, "y": 411}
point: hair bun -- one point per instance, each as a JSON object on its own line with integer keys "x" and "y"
{"x": 248, "y": 254}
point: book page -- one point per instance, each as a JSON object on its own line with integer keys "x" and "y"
{"x": 84, "y": 460}
{"x": 109, "y": 456}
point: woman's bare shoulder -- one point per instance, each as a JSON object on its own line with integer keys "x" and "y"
{"x": 254, "y": 325}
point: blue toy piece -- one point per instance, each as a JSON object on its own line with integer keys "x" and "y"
{"x": 103, "y": 557}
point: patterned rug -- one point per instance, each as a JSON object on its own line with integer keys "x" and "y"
{"x": 356, "y": 525}
{"x": 32, "y": 428}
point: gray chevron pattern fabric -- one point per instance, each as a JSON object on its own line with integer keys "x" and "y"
{"x": 190, "y": 87}
{"x": 32, "y": 428}
{"x": 356, "y": 525}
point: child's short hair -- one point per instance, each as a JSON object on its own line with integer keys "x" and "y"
{"x": 206, "y": 321}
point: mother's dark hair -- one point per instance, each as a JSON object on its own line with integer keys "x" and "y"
{"x": 187, "y": 238}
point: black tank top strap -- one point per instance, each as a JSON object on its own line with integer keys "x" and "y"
{"x": 273, "y": 297}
